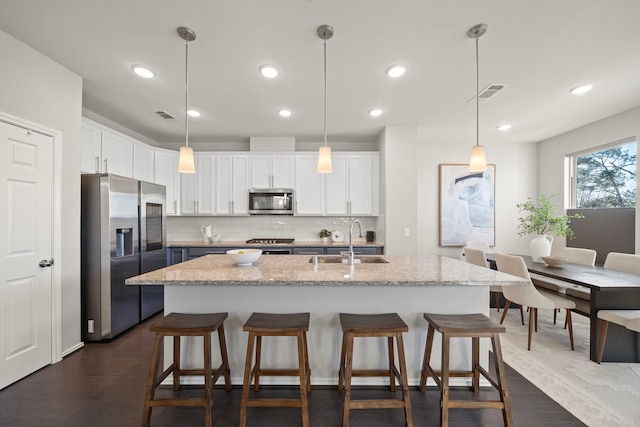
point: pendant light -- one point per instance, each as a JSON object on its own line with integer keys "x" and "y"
{"x": 186, "y": 163}
{"x": 478, "y": 160}
{"x": 325, "y": 32}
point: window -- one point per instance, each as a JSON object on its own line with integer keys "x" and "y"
{"x": 606, "y": 178}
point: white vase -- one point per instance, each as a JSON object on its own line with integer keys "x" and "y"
{"x": 540, "y": 246}
{"x": 325, "y": 240}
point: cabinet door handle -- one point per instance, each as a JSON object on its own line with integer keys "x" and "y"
{"x": 97, "y": 164}
{"x": 233, "y": 206}
{"x": 106, "y": 170}
{"x": 175, "y": 206}
{"x": 195, "y": 207}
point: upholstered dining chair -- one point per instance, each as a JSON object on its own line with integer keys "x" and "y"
{"x": 478, "y": 257}
{"x": 628, "y": 263}
{"x": 528, "y": 295}
{"x": 582, "y": 294}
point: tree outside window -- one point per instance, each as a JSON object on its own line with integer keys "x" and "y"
{"x": 607, "y": 178}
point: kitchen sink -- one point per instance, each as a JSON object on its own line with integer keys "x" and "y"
{"x": 338, "y": 259}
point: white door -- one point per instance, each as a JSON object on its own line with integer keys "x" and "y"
{"x": 26, "y": 191}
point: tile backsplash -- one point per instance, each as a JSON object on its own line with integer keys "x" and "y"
{"x": 187, "y": 228}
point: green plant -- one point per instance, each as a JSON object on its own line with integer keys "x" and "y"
{"x": 540, "y": 218}
{"x": 324, "y": 233}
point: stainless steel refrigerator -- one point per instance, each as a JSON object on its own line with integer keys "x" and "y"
{"x": 111, "y": 233}
{"x": 153, "y": 237}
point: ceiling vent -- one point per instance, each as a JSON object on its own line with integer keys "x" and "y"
{"x": 487, "y": 93}
{"x": 165, "y": 115}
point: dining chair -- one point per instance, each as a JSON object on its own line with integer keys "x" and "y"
{"x": 627, "y": 263}
{"x": 477, "y": 256}
{"x": 576, "y": 256}
{"x": 528, "y": 295}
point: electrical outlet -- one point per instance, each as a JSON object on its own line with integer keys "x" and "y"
{"x": 90, "y": 326}
{"x": 407, "y": 233}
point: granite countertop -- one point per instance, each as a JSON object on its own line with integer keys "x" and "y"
{"x": 296, "y": 270}
{"x": 241, "y": 243}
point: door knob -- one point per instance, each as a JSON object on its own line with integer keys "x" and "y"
{"x": 46, "y": 263}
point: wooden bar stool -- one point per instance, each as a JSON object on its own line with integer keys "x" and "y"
{"x": 178, "y": 325}
{"x": 474, "y": 326}
{"x": 276, "y": 325}
{"x": 388, "y": 325}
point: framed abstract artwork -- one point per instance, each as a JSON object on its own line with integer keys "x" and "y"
{"x": 467, "y": 205}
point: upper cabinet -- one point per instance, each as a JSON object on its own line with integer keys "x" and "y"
{"x": 272, "y": 170}
{"x": 232, "y": 184}
{"x": 351, "y": 189}
{"x": 197, "y": 191}
{"x": 166, "y": 173}
{"x": 143, "y": 162}
{"x": 105, "y": 151}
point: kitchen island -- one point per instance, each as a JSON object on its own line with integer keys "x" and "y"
{"x": 407, "y": 285}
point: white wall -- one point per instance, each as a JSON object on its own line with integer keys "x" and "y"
{"x": 515, "y": 181}
{"x": 551, "y": 155}
{"x": 38, "y": 90}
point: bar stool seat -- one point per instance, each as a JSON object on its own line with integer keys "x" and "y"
{"x": 287, "y": 325}
{"x": 178, "y": 325}
{"x": 474, "y": 326}
{"x": 388, "y": 325}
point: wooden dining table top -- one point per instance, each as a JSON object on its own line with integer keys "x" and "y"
{"x": 599, "y": 278}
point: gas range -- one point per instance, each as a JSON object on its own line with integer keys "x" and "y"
{"x": 271, "y": 241}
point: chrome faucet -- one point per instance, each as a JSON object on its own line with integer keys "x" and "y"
{"x": 351, "y": 254}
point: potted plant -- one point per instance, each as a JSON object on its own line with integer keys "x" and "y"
{"x": 538, "y": 217}
{"x": 324, "y": 235}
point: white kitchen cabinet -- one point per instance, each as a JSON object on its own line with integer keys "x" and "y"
{"x": 166, "y": 173}
{"x": 197, "y": 190}
{"x": 143, "y": 162}
{"x": 232, "y": 184}
{"x": 272, "y": 170}
{"x": 309, "y": 186}
{"x": 105, "y": 151}
{"x": 90, "y": 149}
{"x": 352, "y": 188}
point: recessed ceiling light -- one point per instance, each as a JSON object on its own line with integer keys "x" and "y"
{"x": 284, "y": 112}
{"x": 142, "y": 71}
{"x": 396, "y": 70}
{"x": 505, "y": 127}
{"x": 269, "y": 71}
{"x": 194, "y": 113}
{"x": 375, "y": 112}
{"x": 578, "y": 90}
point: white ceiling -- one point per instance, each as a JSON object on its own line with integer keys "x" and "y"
{"x": 539, "y": 49}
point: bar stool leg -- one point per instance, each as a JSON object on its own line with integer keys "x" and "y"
{"x": 304, "y": 379}
{"x": 306, "y": 358}
{"x": 341, "y": 371}
{"x": 403, "y": 375}
{"x": 151, "y": 380}
{"x": 225, "y": 358}
{"x": 427, "y": 358}
{"x": 444, "y": 390}
{"x": 346, "y": 403}
{"x": 501, "y": 380}
{"x": 392, "y": 362}
{"x": 246, "y": 384}
{"x": 176, "y": 363}
{"x": 256, "y": 384}
{"x": 208, "y": 416}
{"x": 475, "y": 363}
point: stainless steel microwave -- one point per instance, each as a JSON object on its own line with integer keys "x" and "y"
{"x": 271, "y": 201}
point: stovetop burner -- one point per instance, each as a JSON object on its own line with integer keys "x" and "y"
{"x": 270, "y": 241}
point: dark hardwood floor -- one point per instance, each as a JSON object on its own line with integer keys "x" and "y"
{"x": 103, "y": 384}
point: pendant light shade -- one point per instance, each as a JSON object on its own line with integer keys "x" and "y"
{"x": 478, "y": 160}
{"x": 186, "y": 163}
{"x": 325, "y": 32}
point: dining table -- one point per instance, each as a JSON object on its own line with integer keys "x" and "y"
{"x": 610, "y": 289}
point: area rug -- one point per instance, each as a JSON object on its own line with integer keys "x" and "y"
{"x": 598, "y": 395}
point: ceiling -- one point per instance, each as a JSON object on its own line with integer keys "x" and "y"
{"x": 538, "y": 49}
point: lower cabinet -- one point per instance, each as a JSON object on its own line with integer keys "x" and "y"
{"x": 176, "y": 255}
